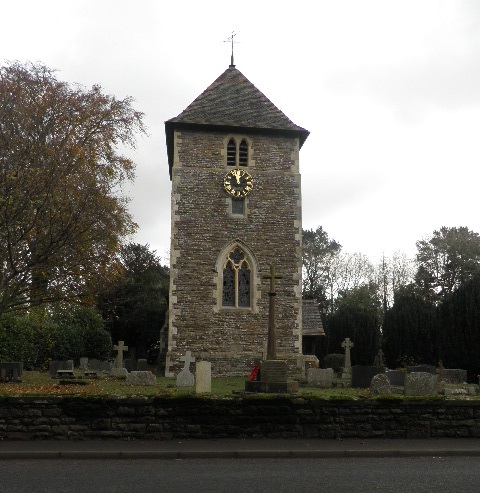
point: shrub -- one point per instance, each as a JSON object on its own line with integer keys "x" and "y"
{"x": 335, "y": 361}
{"x": 58, "y": 333}
{"x": 81, "y": 333}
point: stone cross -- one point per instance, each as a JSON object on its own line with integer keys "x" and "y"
{"x": 271, "y": 341}
{"x": 119, "y": 358}
{"x": 347, "y": 344}
{"x": 380, "y": 357}
{"x": 188, "y": 359}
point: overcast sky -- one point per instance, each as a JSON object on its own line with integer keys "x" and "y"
{"x": 390, "y": 91}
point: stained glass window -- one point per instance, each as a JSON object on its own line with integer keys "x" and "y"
{"x": 236, "y": 280}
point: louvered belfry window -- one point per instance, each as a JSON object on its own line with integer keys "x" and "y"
{"x": 243, "y": 153}
{"x": 234, "y": 158}
{"x": 236, "y": 280}
{"x": 231, "y": 153}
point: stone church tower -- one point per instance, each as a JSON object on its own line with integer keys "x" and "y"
{"x": 236, "y": 210}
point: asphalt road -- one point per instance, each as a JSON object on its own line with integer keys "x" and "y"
{"x": 348, "y": 475}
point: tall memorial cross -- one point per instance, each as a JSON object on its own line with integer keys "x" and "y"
{"x": 120, "y": 347}
{"x": 347, "y": 344}
{"x": 187, "y": 359}
{"x": 272, "y": 341}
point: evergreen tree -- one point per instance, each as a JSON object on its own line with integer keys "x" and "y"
{"x": 460, "y": 324}
{"x": 357, "y": 316}
{"x": 135, "y": 306}
{"x": 410, "y": 330}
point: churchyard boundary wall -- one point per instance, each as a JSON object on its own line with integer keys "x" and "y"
{"x": 26, "y": 418}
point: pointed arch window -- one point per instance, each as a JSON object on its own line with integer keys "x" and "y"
{"x": 237, "y": 154}
{"x": 236, "y": 280}
{"x": 231, "y": 153}
{"x": 243, "y": 153}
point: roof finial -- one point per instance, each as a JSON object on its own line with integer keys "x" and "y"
{"x": 230, "y": 40}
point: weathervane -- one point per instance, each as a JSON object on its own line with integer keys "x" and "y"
{"x": 230, "y": 40}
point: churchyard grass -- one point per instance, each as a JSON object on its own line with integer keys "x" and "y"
{"x": 41, "y": 384}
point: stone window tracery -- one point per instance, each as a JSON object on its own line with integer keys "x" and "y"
{"x": 236, "y": 280}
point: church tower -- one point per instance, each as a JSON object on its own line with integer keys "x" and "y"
{"x": 236, "y": 210}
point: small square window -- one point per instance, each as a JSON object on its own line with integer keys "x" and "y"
{"x": 238, "y": 206}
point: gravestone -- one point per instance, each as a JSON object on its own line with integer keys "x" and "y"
{"x": 454, "y": 376}
{"x": 120, "y": 348}
{"x": 97, "y": 365}
{"x": 380, "y": 385}
{"x": 185, "y": 378}
{"x": 54, "y": 366}
{"x": 320, "y": 377}
{"x": 347, "y": 344}
{"x": 203, "y": 374}
{"x": 142, "y": 365}
{"x": 396, "y": 377}
{"x": 118, "y": 370}
{"x": 362, "y": 375}
{"x": 420, "y": 383}
{"x": 11, "y": 371}
{"x": 379, "y": 358}
{"x": 141, "y": 378}
{"x": 83, "y": 364}
{"x": 130, "y": 364}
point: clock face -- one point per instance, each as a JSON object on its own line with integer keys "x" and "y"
{"x": 238, "y": 183}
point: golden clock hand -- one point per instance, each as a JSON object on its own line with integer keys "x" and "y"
{"x": 236, "y": 174}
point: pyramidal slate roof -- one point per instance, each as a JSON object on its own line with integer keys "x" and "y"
{"x": 311, "y": 319}
{"x": 232, "y": 101}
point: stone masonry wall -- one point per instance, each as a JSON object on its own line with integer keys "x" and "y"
{"x": 287, "y": 417}
{"x": 203, "y": 231}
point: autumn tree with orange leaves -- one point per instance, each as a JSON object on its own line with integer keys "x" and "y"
{"x": 62, "y": 216}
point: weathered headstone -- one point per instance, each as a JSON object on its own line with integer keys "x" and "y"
{"x": 83, "y": 364}
{"x": 54, "y": 366}
{"x": 142, "y": 365}
{"x": 396, "y": 377}
{"x": 120, "y": 348}
{"x": 320, "y": 377}
{"x": 454, "y": 376}
{"x": 185, "y": 378}
{"x": 97, "y": 365}
{"x": 130, "y": 364}
{"x": 362, "y": 375}
{"x": 118, "y": 370}
{"x": 203, "y": 375}
{"x": 380, "y": 385}
{"x": 420, "y": 383}
{"x": 11, "y": 371}
{"x": 347, "y": 344}
{"x": 141, "y": 378}
{"x": 379, "y": 358}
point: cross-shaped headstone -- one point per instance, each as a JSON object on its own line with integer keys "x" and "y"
{"x": 347, "y": 344}
{"x": 380, "y": 357}
{"x": 120, "y": 347}
{"x": 271, "y": 341}
{"x": 188, "y": 359}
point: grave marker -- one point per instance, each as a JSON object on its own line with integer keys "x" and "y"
{"x": 185, "y": 378}
{"x": 347, "y": 370}
{"x": 203, "y": 374}
{"x": 320, "y": 377}
{"x": 420, "y": 383}
{"x": 120, "y": 348}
